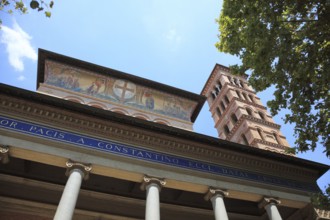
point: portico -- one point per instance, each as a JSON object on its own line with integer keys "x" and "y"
{"x": 180, "y": 195}
{"x": 75, "y": 161}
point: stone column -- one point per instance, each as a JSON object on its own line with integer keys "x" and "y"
{"x": 76, "y": 172}
{"x": 153, "y": 186}
{"x": 270, "y": 204}
{"x": 216, "y": 196}
{"x": 4, "y": 154}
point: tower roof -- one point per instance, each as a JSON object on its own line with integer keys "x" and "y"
{"x": 213, "y": 74}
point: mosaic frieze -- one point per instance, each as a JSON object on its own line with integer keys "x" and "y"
{"x": 117, "y": 90}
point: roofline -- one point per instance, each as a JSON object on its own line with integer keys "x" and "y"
{"x": 159, "y": 128}
{"x": 217, "y": 66}
{"x": 44, "y": 54}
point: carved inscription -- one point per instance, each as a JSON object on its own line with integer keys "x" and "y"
{"x": 146, "y": 154}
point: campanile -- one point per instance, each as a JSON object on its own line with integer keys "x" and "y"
{"x": 238, "y": 114}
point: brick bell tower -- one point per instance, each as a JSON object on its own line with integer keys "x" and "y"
{"x": 238, "y": 113}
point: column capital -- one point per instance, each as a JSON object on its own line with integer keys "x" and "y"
{"x": 268, "y": 200}
{"x": 151, "y": 179}
{"x": 83, "y": 167}
{"x": 215, "y": 191}
{"x": 4, "y": 154}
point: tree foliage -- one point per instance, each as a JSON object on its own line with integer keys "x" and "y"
{"x": 322, "y": 200}
{"x": 10, "y": 6}
{"x": 285, "y": 44}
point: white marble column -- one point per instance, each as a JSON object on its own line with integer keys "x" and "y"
{"x": 4, "y": 154}
{"x": 270, "y": 204}
{"x": 152, "y": 185}
{"x": 76, "y": 172}
{"x": 216, "y": 196}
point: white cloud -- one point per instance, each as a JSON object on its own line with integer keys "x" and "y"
{"x": 21, "y": 78}
{"x": 18, "y": 46}
{"x": 173, "y": 36}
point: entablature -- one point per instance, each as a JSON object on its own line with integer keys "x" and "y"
{"x": 213, "y": 152}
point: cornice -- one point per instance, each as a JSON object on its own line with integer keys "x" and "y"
{"x": 261, "y": 121}
{"x": 251, "y": 103}
{"x": 216, "y": 103}
{"x": 279, "y": 148}
{"x": 251, "y": 118}
{"x": 210, "y": 80}
{"x": 213, "y": 74}
{"x": 325, "y": 214}
{"x": 143, "y": 137}
{"x": 242, "y": 88}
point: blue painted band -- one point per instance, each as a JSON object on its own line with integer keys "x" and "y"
{"x": 147, "y": 155}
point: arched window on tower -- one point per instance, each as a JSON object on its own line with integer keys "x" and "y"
{"x": 241, "y": 84}
{"x": 245, "y": 141}
{"x": 226, "y": 99}
{"x": 249, "y": 111}
{"x": 214, "y": 95}
{"x": 223, "y": 107}
{"x": 277, "y": 138}
{"x": 234, "y": 118}
{"x": 262, "y": 116}
{"x": 216, "y": 91}
{"x": 218, "y": 86}
{"x": 238, "y": 94}
{"x": 229, "y": 78}
{"x": 226, "y": 130}
{"x": 218, "y": 111}
{"x": 251, "y": 98}
{"x": 238, "y": 82}
{"x": 233, "y": 81}
{"x": 245, "y": 97}
{"x": 261, "y": 134}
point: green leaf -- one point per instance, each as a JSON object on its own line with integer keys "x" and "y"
{"x": 48, "y": 14}
{"x": 34, "y": 4}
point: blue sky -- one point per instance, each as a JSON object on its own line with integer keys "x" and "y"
{"x": 171, "y": 42}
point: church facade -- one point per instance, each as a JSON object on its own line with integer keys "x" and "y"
{"x": 96, "y": 143}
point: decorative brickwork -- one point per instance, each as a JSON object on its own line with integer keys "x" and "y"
{"x": 237, "y": 112}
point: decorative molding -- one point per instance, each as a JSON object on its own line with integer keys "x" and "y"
{"x": 215, "y": 71}
{"x": 268, "y": 200}
{"x": 115, "y": 131}
{"x": 72, "y": 165}
{"x": 242, "y": 88}
{"x": 221, "y": 93}
{"x": 4, "y": 154}
{"x": 147, "y": 180}
{"x": 278, "y": 146}
{"x": 210, "y": 81}
{"x": 139, "y": 153}
{"x": 251, "y": 117}
{"x": 324, "y": 214}
{"x": 261, "y": 121}
{"x": 215, "y": 191}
